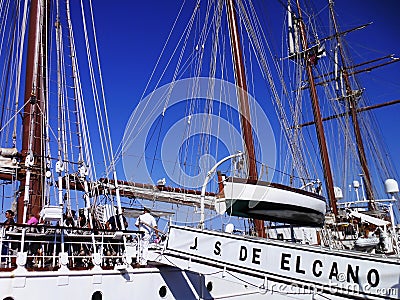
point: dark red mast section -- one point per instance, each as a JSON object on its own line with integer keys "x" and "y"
{"x": 353, "y": 112}
{"x": 33, "y": 128}
{"x": 318, "y": 118}
{"x": 244, "y": 109}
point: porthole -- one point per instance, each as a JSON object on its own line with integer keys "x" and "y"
{"x": 209, "y": 286}
{"x": 97, "y": 295}
{"x": 163, "y": 291}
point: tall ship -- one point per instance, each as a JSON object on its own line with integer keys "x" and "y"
{"x": 255, "y": 145}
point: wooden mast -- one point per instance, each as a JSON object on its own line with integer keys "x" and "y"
{"x": 244, "y": 109}
{"x": 317, "y": 118}
{"x": 32, "y": 123}
{"x": 353, "y": 113}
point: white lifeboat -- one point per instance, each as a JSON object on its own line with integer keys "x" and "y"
{"x": 270, "y": 201}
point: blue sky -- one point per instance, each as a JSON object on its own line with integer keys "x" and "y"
{"x": 131, "y": 35}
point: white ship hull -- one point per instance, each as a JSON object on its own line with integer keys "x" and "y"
{"x": 212, "y": 265}
{"x": 285, "y": 269}
{"x": 145, "y": 283}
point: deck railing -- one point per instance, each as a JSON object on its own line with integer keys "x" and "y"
{"x": 51, "y": 247}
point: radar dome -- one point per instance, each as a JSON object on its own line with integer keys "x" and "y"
{"x": 391, "y": 186}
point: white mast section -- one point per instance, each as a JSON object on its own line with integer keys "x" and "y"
{"x": 290, "y": 31}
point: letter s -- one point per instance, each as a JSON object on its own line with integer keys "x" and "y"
{"x": 217, "y": 249}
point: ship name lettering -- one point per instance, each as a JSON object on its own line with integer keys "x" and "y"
{"x": 285, "y": 261}
{"x": 350, "y": 272}
{"x": 376, "y": 277}
{"x": 217, "y": 248}
{"x": 256, "y": 255}
{"x": 314, "y": 268}
{"x": 194, "y": 247}
{"x": 333, "y": 271}
{"x": 298, "y": 270}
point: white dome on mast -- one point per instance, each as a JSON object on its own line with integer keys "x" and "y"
{"x": 391, "y": 186}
